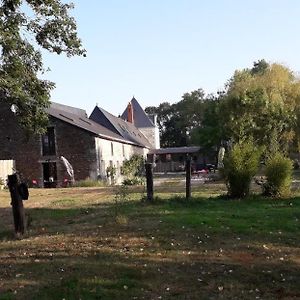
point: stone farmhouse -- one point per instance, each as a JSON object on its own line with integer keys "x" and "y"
{"x": 76, "y": 145}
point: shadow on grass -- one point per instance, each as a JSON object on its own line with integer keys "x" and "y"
{"x": 82, "y": 253}
{"x": 118, "y": 275}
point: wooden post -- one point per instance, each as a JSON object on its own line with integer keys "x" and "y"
{"x": 188, "y": 178}
{"x": 17, "y": 204}
{"x": 149, "y": 181}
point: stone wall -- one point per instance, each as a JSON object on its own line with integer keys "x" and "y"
{"x": 152, "y": 135}
{"x": 114, "y": 153}
{"x": 88, "y": 155}
{"x": 15, "y": 145}
{"x": 75, "y": 144}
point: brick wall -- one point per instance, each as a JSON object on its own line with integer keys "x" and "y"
{"x": 120, "y": 153}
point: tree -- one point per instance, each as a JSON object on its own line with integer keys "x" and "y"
{"x": 27, "y": 26}
{"x": 209, "y": 134}
{"x": 261, "y": 103}
{"x": 177, "y": 121}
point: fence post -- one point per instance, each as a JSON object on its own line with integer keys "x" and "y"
{"x": 149, "y": 181}
{"x": 188, "y": 178}
{"x": 17, "y": 204}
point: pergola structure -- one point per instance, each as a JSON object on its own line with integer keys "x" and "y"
{"x": 173, "y": 159}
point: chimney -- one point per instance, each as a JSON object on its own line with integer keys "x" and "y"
{"x": 130, "y": 113}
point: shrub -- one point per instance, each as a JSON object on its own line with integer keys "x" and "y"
{"x": 133, "y": 170}
{"x": 134, "y": 181}
{"x": 111, "y": 172}
{"x": 279, "y": 175}
{"x": 120, "y": 199}
{"x": 240, "y": 165}
{"x": 133, "y": 167}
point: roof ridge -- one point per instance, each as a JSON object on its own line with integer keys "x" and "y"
{"x": 129, "y": 132}
{"x": 67, "y": 117}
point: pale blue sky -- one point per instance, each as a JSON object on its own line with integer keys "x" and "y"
{"x": 157, "y": 50}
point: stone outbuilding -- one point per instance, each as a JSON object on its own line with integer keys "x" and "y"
{"x": 74, "y": 146}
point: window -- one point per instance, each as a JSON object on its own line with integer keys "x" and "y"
{"x": 48, "y": 142}
{"x": 123, "y": 148}
{"x": 112, "y": 149}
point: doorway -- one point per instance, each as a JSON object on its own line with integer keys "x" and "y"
{"x": 50, "y": 174}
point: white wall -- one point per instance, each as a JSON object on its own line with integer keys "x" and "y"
{"x": 7, "y": 167}
{"x": 120, "y": 153}
{"x": 152, "y": 135}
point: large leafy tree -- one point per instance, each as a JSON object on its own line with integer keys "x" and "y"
{"x": 177, "y": 121}
{"x": 26, "y": 27}
{"x": 261, "y": 103}
{"x": 209, "y": 133}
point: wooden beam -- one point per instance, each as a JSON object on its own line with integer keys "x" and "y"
{"x": 149, "y": 181}
{"x": 188, "y": 169}
{"x": 17, "y": 204}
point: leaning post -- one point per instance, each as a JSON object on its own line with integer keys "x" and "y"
{"x": 17, "y": 204}
{"x": 188, "y": 171}
{"x": 149, "y": 181}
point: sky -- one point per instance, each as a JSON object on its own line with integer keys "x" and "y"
{"x": 157, "y": 50}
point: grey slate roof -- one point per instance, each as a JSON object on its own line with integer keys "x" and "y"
{"x": 140, "y": 118}
{"x": 126, "y": 129}
{"x": 73, "y": 110}
{"x": 80, "y": 120}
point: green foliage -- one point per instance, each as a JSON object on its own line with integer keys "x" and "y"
{"x": 111, "y": 172}
{"x": 51, "y": 27}
{"x": 279, "y": 175}
{"x": 134, "y": 181}
{"x": 240, "y": 165}
{"x": 259, "y": 67}
{"x": 177, "y": 121}
{"x": 133, "y": 167}
{"x": 120, "y": 199}
{"x": 209, "y": 134}
{"x": 7, "y": 296}
{"x": 261, "y": 103}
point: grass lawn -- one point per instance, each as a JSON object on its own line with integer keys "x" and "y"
{"x": 81, "y": 245}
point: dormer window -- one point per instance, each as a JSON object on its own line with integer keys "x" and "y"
{"x": 48, "y": 142}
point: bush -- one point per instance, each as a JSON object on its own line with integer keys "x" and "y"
{"x": 279, "y": 176}
{"x": 111, "y": 172}
{"x": 133, "y": 169}
{"x": 134, "y": 181}
{"x": 240, "y": 165}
